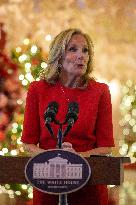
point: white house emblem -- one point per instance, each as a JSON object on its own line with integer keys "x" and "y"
{"x": 57, "y": 168}
{"x": 57, "y": 171}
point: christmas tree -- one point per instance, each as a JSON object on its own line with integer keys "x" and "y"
{"x": 17, "y": 73}
{"x": 128, "y": 121}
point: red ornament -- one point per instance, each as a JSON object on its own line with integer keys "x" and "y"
{"x": 7, "y": 68}
{"x": 2, "y": 37}
{"x": 4, "y": 120}
{"x": 3, "y": 101}
{"x": 30, "y": 202}
{"x": 35, "y": 61}
{"x": 2, "y": 136}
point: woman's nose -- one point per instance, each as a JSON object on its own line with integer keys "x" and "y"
{"x": 81, "y": 55}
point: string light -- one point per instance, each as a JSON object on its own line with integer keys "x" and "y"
{"x": 123, "y": 150}
{"x": 30, "y": 195}
{"x": 122, "y": 122}
{"x": 29, "y": 77}
{"x": 22, "y": 58}
{"x": 13, "y": 152}
{"x": 7, "y": 186}
{"x": 19, "y": 141}
{"x": 126, "y": 101}
{"x": 26, "y": 41}
{"x": 18, "y": 49}
{"x": 15, "y": 125}
{"x": 24, "y": 186}
{"x": 133, "y": 147}
{"x": 126, "y": 131}
{"x": 24, "y": 82}
{"x": 10, "y": 192}
{"x": 30, "y": 189}
{"x": 18, "y": 193}
{"x": 134, "y": 128}
{"x": 132, "y": 98}
{"x": 27, "y": 67}
{"x": 19, "y": 101}
{"x": 132, "y": 122}
{"x": 14, "y": 130}
{"x": 48, "y": 37}
{"x": 34, "y": 49}
{"x": 43, "y": 65}
{"x": 21, "y": 77}
{"x": 5, "y": 150}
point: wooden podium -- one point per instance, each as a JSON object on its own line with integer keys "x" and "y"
{"x": 105, "y": 170}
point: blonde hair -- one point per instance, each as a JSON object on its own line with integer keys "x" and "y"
{"x": 57, "y": 50}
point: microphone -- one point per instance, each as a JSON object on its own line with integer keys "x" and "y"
{"x": 71, "y": 117}
{"x": 49, "y": 115}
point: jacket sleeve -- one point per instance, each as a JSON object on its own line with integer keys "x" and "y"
{"x": 31, "y": 124}
{"x": 104, "y": 127}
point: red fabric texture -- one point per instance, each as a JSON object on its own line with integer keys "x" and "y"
{"x": 92, "y": 129}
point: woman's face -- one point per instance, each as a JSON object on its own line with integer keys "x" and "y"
{"x": 76, "y": 56}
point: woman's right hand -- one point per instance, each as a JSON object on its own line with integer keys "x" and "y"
{"x": 32, "y": 149}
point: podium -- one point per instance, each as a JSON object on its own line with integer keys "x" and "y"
{"x": 105, "y": 170}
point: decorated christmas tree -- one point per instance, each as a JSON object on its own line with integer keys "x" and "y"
{"x": 128, "y": 121}
{"x": 16, "y": 73}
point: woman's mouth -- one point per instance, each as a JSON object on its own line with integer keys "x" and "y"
{"x": 80, "y": 65}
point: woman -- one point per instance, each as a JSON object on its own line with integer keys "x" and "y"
{"x": 67, "y": 79}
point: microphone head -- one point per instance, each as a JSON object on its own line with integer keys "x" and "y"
{"x": 51, "y": 110}
{"x": 71, "y": 117}
{"x": 73, "y": 107}
{"x": 73, "y": 110}
{"x": 53, "y": 106}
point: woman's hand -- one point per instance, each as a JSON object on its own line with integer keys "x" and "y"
{"x": 96, "y": 151}
{"x": 32, "y": 149}
{"x": 67, "y": 146}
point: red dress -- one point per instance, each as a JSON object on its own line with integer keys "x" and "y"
{"x": 92, "y": 129}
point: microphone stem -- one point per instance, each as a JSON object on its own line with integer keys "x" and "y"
{"x": 60, "y": 137}
{"x": 50, "y": 129}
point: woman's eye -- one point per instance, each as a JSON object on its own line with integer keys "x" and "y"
{"x": 72, "y": 49}
{"x": 85, "y": 50}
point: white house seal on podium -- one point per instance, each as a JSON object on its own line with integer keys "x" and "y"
{"x": 57, "y": 171}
